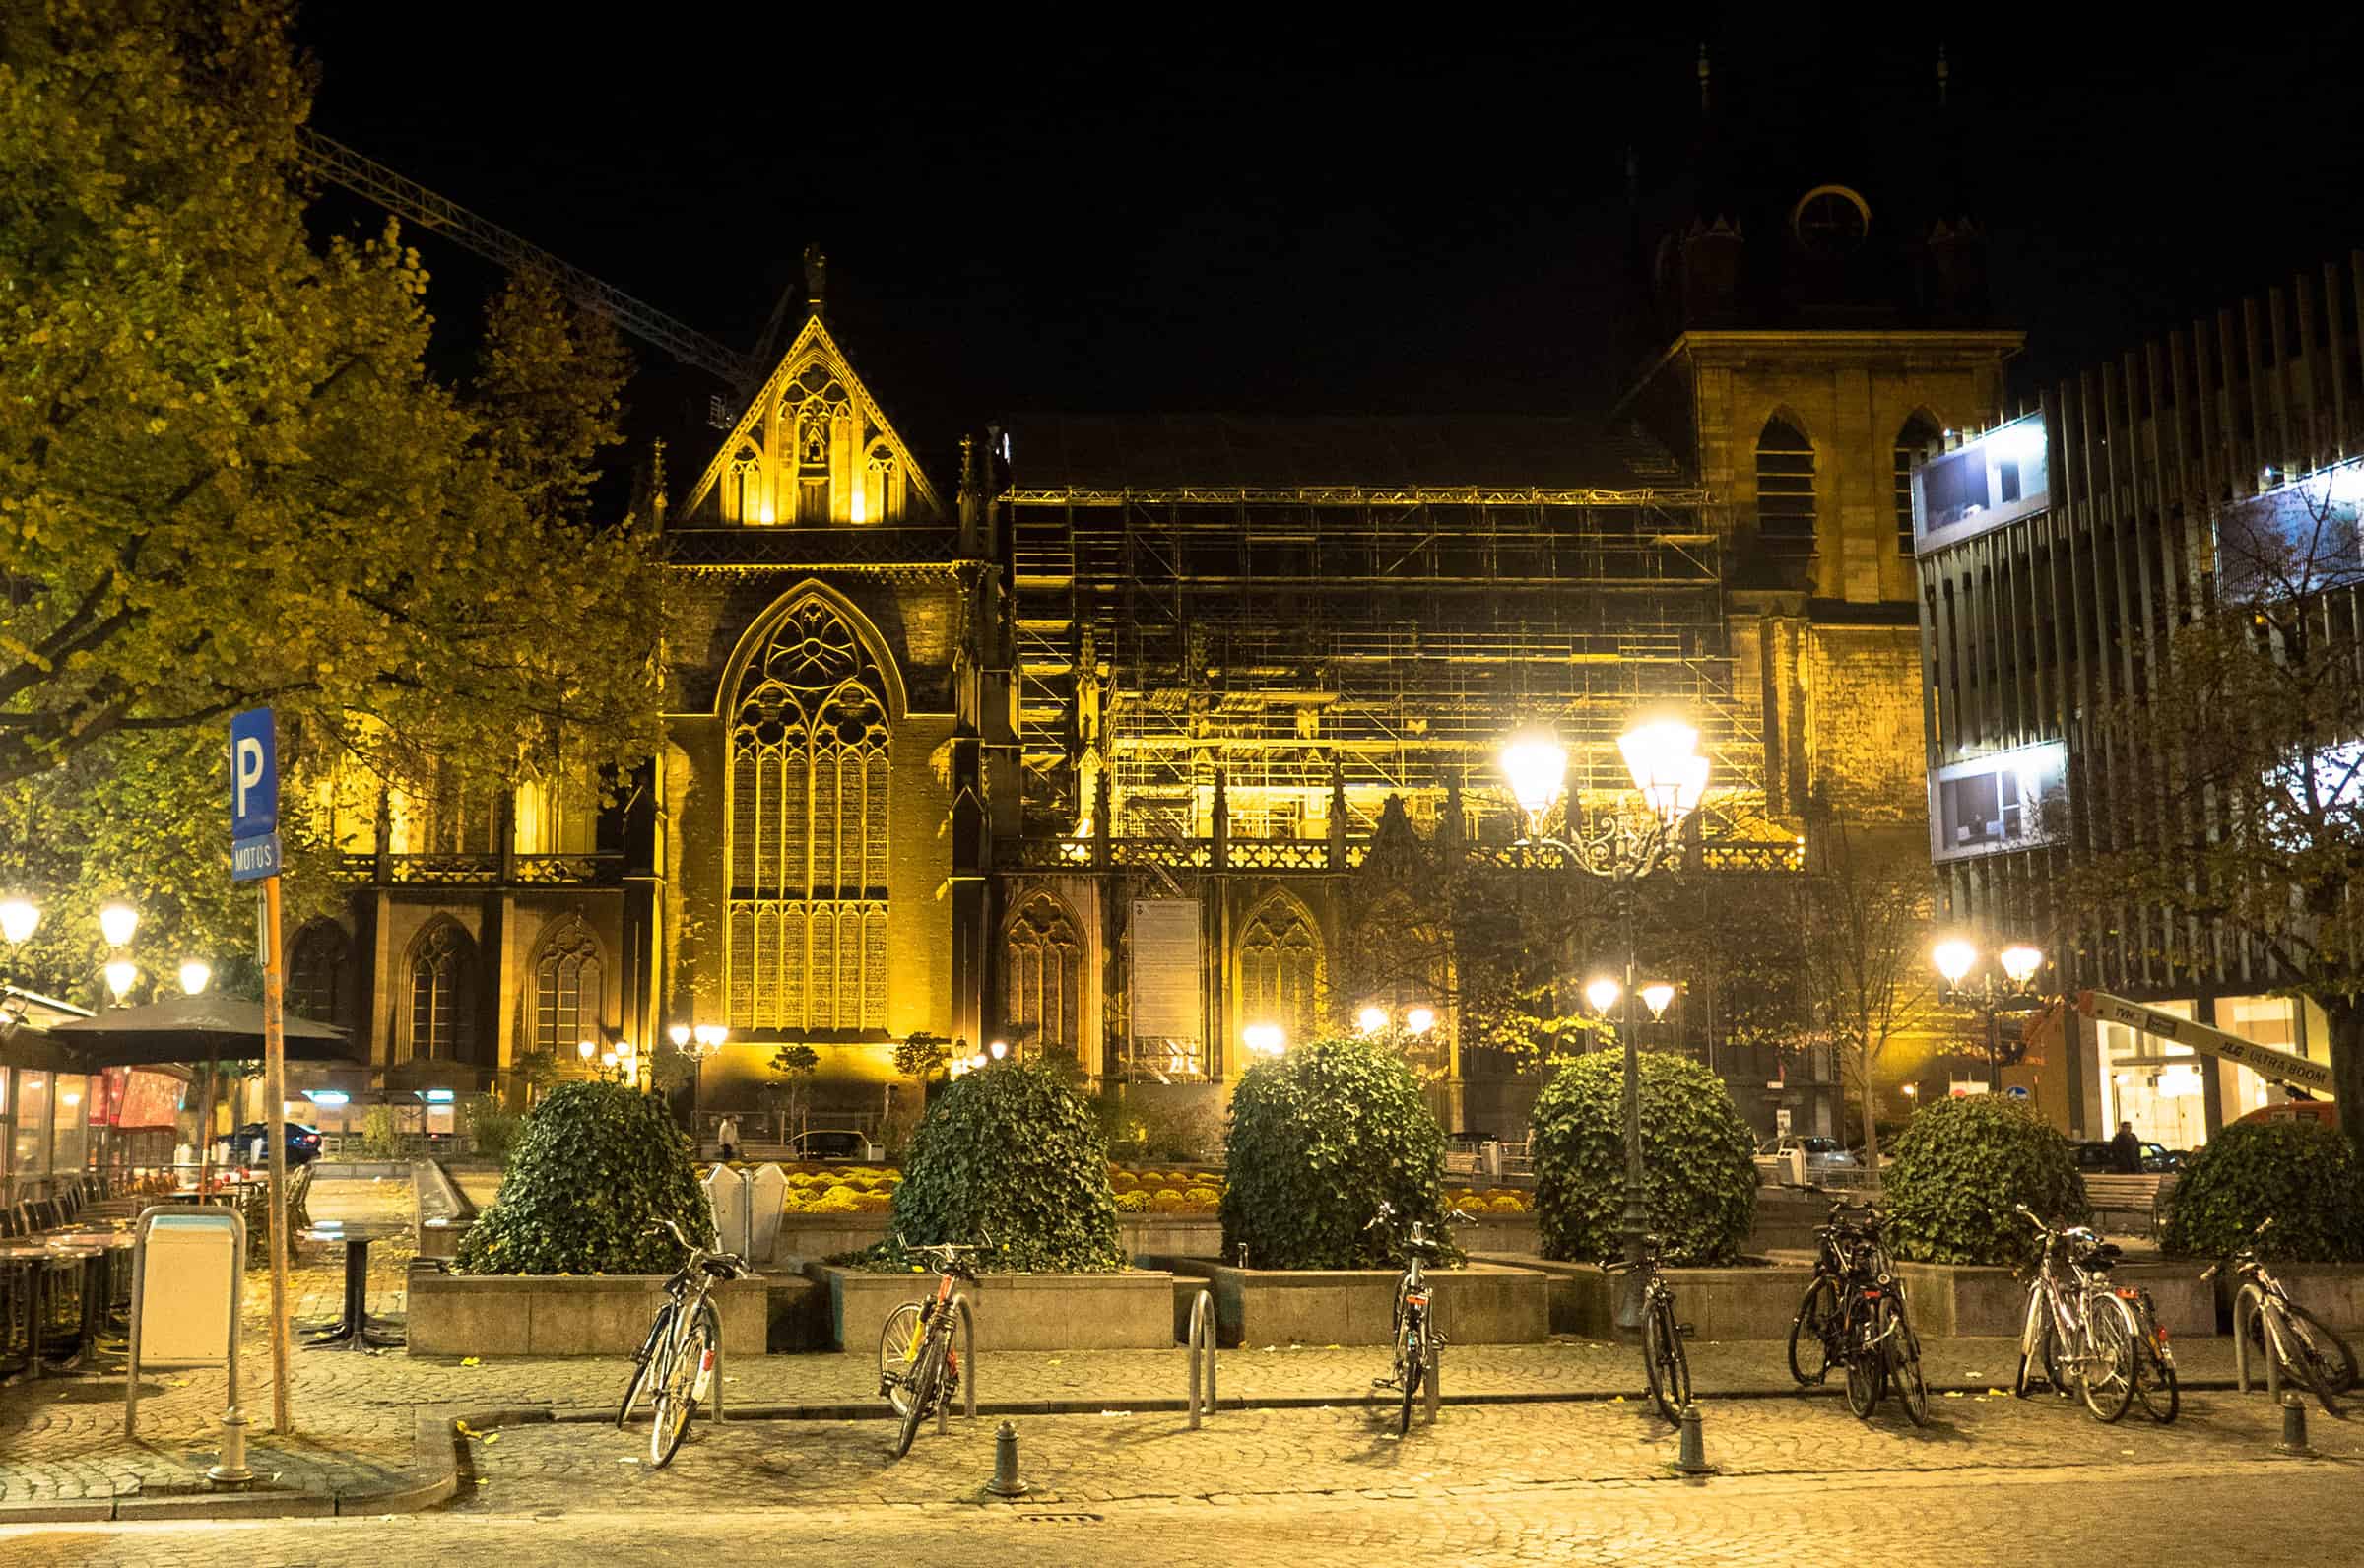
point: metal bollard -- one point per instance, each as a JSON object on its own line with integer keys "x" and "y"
{"x": 2294, "y": 1429}
{"x": 1201, "y": 1343}
{"x": 968, "y": 1367}
{"x": 1434, "y": 1394}
{"x": 1692, "y": 1457}
{"x": 232, "y": 1470}
{"x": 1005, "y": 1482}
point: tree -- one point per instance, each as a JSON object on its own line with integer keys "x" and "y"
{"x": 1865, "y": 957}
{"x": 226, "y": 478}
{"x": 2233, "y": 807}
{"x": 921, "y": 1056}
{"x": 795, "y": 1065}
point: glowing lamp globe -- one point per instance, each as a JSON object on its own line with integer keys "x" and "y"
{"x": 1371, "y": 1020}
{"x": 1265, "y": 1038}
{"x": 1603, "y": 994}
{"x": 117, "y": 921}
{"x": 2021, "y": 961}
{"x": 679, "y": 1034}
{"x": 121, "y": 974}
{"x": 999, "y": 1049}
{"x": 1656, "y": 995}
{"x": 1662, "y": 755}
{"x": 1419, "y": 1021}
{"x": 19, "y": 919}
{"x": 1535, "y": 766}
{"x": 195, "y": 975}
{"x": 1955, "y": 958}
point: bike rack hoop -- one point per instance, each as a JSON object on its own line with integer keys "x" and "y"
{"x": 968, "y": 1366}
{"x": 1201, "y": 1344}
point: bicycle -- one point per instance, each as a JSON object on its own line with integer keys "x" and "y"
{"x": 2306, "y": 1349}
{"x": 918, "y": 1369}
{"x": 678, "y": 1358}
{"x": 1414, "y": 1334}
{"x": 2079, "y": 1329}
{"x": 1853, "y": 1316}
{"x": 1665, "y": 1367}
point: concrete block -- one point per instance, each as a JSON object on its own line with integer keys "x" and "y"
{"x": 1482, "y": 1304}
{"x": 494, "y": 1315}
{"x": 1129, "y": 1311}
{"x": 1748, "y": 1301}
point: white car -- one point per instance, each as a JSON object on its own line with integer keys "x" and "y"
{"x": 1822, "y": 1153}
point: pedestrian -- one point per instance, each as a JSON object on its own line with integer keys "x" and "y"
{"x": 727, "y": 1134}
{"x": 2126, "y": 1151}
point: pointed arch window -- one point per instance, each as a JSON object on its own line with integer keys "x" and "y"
{"x": 1785, "y": 490}
{"x": 1280, "y": 969}
{"x": 440, "y": 1017}
{"x": 316, "y": 971}
{"x": 1043, "y": 970}
{"x": 743, "y": 489}
{"x": 568, "y": 989}
{"x": 810, "y": 771}
{"x": 1912, "y": 443}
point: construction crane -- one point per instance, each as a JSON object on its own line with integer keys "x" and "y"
{"x": 406, "y": 198}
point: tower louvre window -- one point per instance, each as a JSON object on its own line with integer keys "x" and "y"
{"x": 1785, "y": 490}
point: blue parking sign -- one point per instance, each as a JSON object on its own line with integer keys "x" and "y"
{"x": 253, "y": 796}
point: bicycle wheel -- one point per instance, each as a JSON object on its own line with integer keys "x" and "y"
{"x": 644, "y": 1364}
{"x": 681, "y": 1381}
{"x": 1667, "y": 1368}
{"x": 1867, "y": 1368}
{"x": 2035, "y": 1347}
{"x": 900, "y": 1344}
{"x": 1903, "y": 1349}
{"x": 923, "y": 1393}
{"x": 2154, "y": 1372}
{"x": 1809, "y": 1332}
{"x": 2309, "y": 1337}
{"x": 2106, "y": 1372}
{"x": 1411, "y": 1360}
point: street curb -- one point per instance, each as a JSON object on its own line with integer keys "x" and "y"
{"x": 1165, "y": 1404}
{"x": 433, "y": 1477}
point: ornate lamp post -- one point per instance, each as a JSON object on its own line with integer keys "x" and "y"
{"x": 2013, "y": 991}
{"x": 1662, "y": 756}
{"x": 701, "y": 1041}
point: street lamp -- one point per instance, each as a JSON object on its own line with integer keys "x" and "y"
{"x": 1371, "y": 1020}
{"x": 2013, "y": 991}
{"x": 1654, "y": 996}
{"x": 1265, "y": 1040}
{"x": 121, "y": 975}
{"x": 19, "y": 919}
{"x": 116, "y": 923}
{"x": 998, "y": 1049}
{"x": 1670, "y": 775}
{"x": 1418, "y": 1020}
{"x": 195, "y": 975}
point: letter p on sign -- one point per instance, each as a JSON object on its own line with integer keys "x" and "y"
{"x": 254, "y": 775}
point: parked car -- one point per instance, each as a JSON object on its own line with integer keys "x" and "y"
{"x": 2095, "y": 1156}
{"x": 835, "y": 1144}
{"x": 1822, "y": 1153}
{"x": 250, "y": 1144}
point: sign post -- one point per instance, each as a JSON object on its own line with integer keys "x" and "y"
{"x": 254, "y": 855}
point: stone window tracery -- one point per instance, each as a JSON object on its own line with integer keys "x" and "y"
{"x": 568, "y": 987}
{"x": 1043, "y": 973}
{"x": 442, "y": 995}
{"x": 743, "y": 489}
{"x": 316, "y": 971}
{"x": 1785, "y": 489}
{"x": 1281, "y": 971}
{"x": 810, "y": 773}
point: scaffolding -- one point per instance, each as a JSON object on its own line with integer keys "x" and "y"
{"x": 1320, "y": 642}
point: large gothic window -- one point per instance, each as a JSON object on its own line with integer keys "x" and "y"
{"x": 567, "y": 976}
{"x": 1043, "y": 971}
{"x": 743, "y": 489}
{"x": 1911, "y": 442}
{"x": 1281, "y": 971}
{"x": 1785, "y": 490}
{"x": 808, "y": 856}
{"x": 441, "y": 1015}
{"x": 316, "y": 971}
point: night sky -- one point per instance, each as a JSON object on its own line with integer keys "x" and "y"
{"x": 1218, "y": 211}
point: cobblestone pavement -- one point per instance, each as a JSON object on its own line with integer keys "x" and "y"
{"x": 1976, "y": 1519}
{"x": 61, "y": 1438}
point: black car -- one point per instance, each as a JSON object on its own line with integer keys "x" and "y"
{"x": 250, "y": 1144}
{"x": 2096, "y": 1156}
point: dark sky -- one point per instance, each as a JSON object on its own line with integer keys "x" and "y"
{"x": 1186, "y": 209}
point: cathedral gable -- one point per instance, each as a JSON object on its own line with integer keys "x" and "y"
{"x": 813, "y": 450}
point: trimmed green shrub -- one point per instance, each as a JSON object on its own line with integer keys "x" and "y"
{"x": 1317, "y": 1140}
{"x": 491, "y": 1126}
{"x": 1009, "y": 1157}
{"x": 1962, "y": 1166}
{"x": 599, "y": 1164}
{"x": 1696, "y": 1166}
{"x": 2305, "y": 1177}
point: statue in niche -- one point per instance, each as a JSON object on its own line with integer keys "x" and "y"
{"x": 813, "y": 439}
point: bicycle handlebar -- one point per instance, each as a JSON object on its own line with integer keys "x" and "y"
{"x": 2235, "y": 1256}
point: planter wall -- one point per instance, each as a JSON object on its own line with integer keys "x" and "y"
{"x": 2333, "y": 1291}
{"x": 562, "y": 1314}
{"x": 1483, "y": 1304}
{"x": 1747, "y": 1302}
{"x": 1132, "y": 1311}
{"x": 1967, "y": 1299}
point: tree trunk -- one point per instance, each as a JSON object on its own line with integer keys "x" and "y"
{"x": 2346, "y": 1019}
{"x": 1870, "y": 1125}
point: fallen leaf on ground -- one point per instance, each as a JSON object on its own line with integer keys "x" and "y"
{"x": 472, "y": 1361}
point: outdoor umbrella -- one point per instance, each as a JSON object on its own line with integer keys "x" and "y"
{"x": 206, "y": 1029}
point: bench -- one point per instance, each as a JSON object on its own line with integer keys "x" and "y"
{"x": 2129, "y": 1205}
